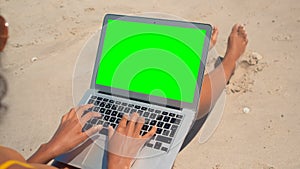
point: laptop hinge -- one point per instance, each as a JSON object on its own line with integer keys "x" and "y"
{"x": 168, "y": 106}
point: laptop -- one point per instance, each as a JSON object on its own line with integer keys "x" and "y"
{"x": 150, "y": 66}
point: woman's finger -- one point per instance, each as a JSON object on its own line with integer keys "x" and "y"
{"x": 80, "y": 110}
{"x": 88, "y": 116}
{"x": 66, "y": 116}
{"x": 150, "y": 133}
{"x": 111, "y": 132}
{"x": 93, "y": 130}
{"x": 122, "y": 125}
{"x": 138, "y": 127}
{"x": 131, "y": 124}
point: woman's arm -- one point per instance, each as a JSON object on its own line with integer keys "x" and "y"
{"x": 67, "y": 136}
{"x": 124, "y": 143}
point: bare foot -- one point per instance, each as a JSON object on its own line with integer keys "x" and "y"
{"x": 237, "y": 43}
{"x": 214, "y": 36}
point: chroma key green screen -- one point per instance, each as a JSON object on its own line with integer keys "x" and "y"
{"x": 151, "y": 59}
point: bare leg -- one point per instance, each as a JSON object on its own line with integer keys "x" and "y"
{"x": 215, "y": 81}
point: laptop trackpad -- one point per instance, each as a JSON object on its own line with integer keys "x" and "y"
{"x": 96, "y": 157}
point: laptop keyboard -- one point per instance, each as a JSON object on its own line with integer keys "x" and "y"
{"x": 112, "y": 112}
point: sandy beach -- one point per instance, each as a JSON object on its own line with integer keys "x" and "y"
{"x": 260, "y": 126}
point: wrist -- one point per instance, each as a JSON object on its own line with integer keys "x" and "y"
{"x": 43, "y": 155}
{"x": 49, "y": 149}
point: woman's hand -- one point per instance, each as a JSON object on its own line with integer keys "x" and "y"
{"x": 68, "y": 135}
{"x": 125, "y": 143}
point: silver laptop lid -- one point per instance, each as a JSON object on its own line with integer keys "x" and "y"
{"x": 152, "y": 60}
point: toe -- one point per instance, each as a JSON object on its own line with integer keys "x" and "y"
{"x": 241, "y": 29}
{"x": 215, "y": 32}
{"x": 214, "y": 36}
{"x": 235, "y": 27}
{"x": 244, "y": 35}
{"x": 242, "y": 32}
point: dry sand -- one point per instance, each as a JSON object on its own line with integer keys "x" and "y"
{"x": 47, "y": 36}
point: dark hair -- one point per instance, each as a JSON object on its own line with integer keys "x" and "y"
{"x": 3, "y": 90}
{"x": 3, "y": 39}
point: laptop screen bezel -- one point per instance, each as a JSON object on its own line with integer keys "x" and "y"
{"x": 144, "y": 97}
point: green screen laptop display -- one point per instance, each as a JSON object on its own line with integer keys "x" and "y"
{"x": 152, "y": 59}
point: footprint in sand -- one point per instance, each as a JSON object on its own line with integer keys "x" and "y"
{"x": 243, "y": 79}
{"x": 282, "y": 37}
{"x": 266, "y": 166}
